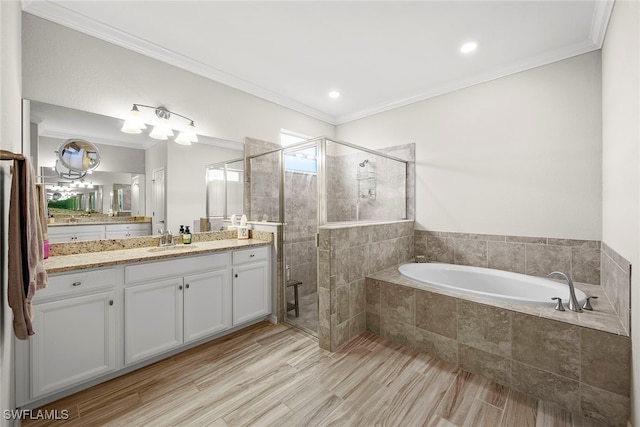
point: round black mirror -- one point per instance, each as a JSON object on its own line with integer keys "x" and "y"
{"x": 78, "y": 155}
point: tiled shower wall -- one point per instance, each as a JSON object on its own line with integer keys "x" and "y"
{"x": 345, "y": 182}
{"x": 616, "y": 283}
{"x": 345, "y": 257}
{"x": 262, "y": 181}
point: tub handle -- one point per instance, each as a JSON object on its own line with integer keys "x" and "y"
{"x": 559, "y": 305}
{"x": 587, "y": 303}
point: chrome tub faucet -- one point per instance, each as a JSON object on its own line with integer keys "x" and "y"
{"x": 573, "y": 301}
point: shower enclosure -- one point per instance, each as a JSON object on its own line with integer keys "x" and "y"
{"x": 315, "y": 183}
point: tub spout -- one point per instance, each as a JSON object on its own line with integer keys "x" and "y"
{"x": 573, "y": 301}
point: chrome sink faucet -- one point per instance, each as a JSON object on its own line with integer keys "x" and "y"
{"x": 166, "y": 239}
{"x": 573, "y": 301}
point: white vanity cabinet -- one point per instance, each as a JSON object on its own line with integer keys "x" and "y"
{"x": 75, "y": 233}
{"x": 92, "y": 324}
{"x": 251, "y": 284}
{"x": 207, "y": 304}
{"x": 75, "y": 320}
{"x": 162, "y": 314}
{"x": 119, "y": 231}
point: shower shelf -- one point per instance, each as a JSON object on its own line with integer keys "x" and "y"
{"x": 366, "y": 185}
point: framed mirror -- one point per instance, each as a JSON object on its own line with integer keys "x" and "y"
{"x": 108, "y": 173}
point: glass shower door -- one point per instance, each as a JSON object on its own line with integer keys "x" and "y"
{"x": 301, "y": 224}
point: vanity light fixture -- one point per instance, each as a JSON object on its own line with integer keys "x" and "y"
{"x": 163, "y": 129}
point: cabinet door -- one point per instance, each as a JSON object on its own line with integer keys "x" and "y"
{"x": 153, "y": 319}
{"x": 75, "y": 341}
{"x": 207, "y": 304}
{"x": 251, "y": 292}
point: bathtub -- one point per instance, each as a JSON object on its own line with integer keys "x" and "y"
{"x": 490, "y": 283}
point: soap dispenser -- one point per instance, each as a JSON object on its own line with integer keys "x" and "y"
{"x": 186, "y": 236}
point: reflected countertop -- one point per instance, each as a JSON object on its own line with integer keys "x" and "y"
{"x": 65, "y": 222}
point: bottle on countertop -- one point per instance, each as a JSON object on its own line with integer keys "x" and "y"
{"x": 186, "y": 236}
{"x": 182, "y": 229}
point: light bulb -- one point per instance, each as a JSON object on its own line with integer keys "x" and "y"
{"x": 134, "y": 123}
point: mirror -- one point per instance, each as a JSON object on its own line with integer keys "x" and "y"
{"x": 225, "y": 189}
{"x": 111, "y": 173}
{"x": 79, "y": 155}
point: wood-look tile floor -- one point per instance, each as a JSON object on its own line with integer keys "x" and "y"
{"x": 274, "y": 375}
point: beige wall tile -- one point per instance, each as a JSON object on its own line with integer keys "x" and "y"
{"x": 485, "y": 328}
{"x": 372, "y": 294}
{"x": 497, "y": 368}
{"x": 547, "y": 344}
{"x": 436, "y": 345}
{"x": 399, "y": 332}
{"x": 608, "y": 408}
{"x": 506, "y": 256}
{"x": 606, "y": 361}
{"x": 398, "y": 303}
{"x": 546, "y": 386}
{"x": 470, "y": 252}
{"x": 436, "y": 313}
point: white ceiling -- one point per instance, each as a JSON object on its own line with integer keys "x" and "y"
{"x": 379, "y": 55}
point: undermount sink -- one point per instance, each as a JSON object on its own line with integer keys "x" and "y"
{"x": 171, "y": 248}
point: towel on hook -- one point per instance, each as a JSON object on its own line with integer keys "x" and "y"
{"x": 26, "y": 272}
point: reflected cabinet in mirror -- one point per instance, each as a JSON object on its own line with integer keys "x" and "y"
{"x": 92, "y": 172}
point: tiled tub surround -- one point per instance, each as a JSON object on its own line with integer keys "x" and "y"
{"x": 536, "y": 256}
{"x": 616, "y": 282}
{"x": 580, "y": 361}
{"x": 345, "y": 257}
{"x": 586, "y": 261}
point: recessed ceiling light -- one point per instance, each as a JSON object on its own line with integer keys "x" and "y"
{"x": 468, "y": 47}
{"x": 334, "y": 94}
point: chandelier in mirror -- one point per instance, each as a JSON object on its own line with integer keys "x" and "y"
{"x": 163, "y": 127}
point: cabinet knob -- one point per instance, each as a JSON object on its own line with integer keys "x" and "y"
{"x": 110, "y": 302}
{"x": 180, "y": 287}
{"x": 76, "y": 284}
{"x": 252, "y": 255}
{"x": 236, "y": 275}
{"x": 187, "y": 286}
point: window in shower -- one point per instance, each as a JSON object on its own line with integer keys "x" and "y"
{"x": 305, "y": 160}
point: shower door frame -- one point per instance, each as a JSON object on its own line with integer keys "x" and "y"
{"x": 322, "y": 194}
{"x": 321, "y": 187}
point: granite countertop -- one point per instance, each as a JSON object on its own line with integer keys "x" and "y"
{"x": 65, "y": 263}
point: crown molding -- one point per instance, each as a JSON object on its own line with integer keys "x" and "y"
{"x": 601, "y": 14}
{"x": 63, "y": 16}
{"x": 59, "y": 14}
{"x": 513, "y": 68}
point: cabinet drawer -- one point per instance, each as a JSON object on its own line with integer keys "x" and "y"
{"x": 129, "y": 227}
{"x": 250, "y": 255}
{"x": 81, "y": 281}
{"x": 174, "y": 267}
{"x": 75, "y": 229}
